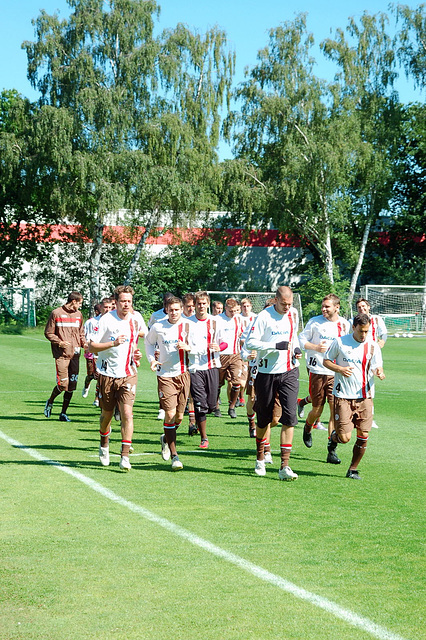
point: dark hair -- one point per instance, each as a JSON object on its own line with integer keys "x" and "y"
{"x": 74, "y": 295}
{"x": 361, "y": 318}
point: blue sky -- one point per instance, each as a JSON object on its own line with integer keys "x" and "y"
{"x": 246, "y": 24}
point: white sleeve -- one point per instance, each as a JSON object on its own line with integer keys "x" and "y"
{"x": 150, "y": 343}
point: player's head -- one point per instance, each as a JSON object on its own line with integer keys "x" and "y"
{"x": 202, "y": 303}
{"x": 188, "y": 301}
{"x": 231, "y": 307}
{"x": 363, "y": 306}
{"x": 283, "y": 299}
{"x": 246, "y": 307}
{"x": 123, "y": 296}
{"x": 97, "y": 308}
{"x": 330, "y": 306}
{"x": 123, "y": 288}
{"x": 361, "y": 327}
{"x": 105, "y": 305}
{"x": 217, "y": 307}
{"x": 75, "y": 300}
{"x": 174, "y": 309}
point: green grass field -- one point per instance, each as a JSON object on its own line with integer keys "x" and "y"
{"x": 212, "y": 552}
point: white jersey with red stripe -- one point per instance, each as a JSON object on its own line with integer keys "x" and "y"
{"x": 202, "y": 333}
{"x": 230, "y": 331}
{"x": 269, "y": 328}
{"x": 363, "y": 357}
{"x": 117, "y": 362}
{"x": 164, "y": 336}
{"x": 247, "y": 321}
{"x": 378, "y": 330}
{"x": 318, "y": 329}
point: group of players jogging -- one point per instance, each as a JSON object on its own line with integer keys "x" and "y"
{"x": 194, "y": 353}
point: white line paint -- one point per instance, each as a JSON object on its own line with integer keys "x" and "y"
{"x": 348, "y": 616}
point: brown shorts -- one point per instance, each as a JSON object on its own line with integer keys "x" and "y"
{"x": 230, "y": 369}
{"x": 173, "y": 392}
{"x": 352, "y": 414}
{"x": 320, "y": 388}
{"x": 113, "y": 390}
{"x": 91, "y": 368}
{"x": 67, "y": 373}
{"x": 250, "y": 392}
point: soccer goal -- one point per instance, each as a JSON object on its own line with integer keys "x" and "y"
{"x": 258, "y": 300}
{"x": 402, "y": 307}
{"x": 17, "y": 304}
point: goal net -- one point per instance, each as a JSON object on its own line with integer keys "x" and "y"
{"x": 403, "y": 307}
{"x": 258, "y": 300}
{"x": 17, "y": 304}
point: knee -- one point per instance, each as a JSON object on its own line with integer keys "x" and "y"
{"x": 344, "y": 438}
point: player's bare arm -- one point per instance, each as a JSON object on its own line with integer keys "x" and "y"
{"x": 320, "y": 348}
{"x": 380, "y": 373}
{"x": 344, "y": 371}
{"x": 97, "y": 347}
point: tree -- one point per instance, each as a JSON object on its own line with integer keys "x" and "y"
{"x": 27, "y": 190}
{"x": 366, "y": 58}
{"x": 410, "y": 41}
{"x": 299, "y": 140}
{"x": 144, "y": 113}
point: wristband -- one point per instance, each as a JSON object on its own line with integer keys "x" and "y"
{"x": 282, "y": 346}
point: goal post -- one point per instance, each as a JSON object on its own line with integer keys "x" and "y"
{"x": 258, "y": 300}
{"x": 17, "y": 304}
{"x": 402, "y": 307}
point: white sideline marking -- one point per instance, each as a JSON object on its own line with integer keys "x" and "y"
{"x": 323, "y": 603}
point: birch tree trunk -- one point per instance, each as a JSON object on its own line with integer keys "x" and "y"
{"x": 137, "y": 253}
{"x": 359, "y": 263}
{"x": 95, "y": 258}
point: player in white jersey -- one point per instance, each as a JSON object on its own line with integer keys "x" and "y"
{"x": 378, "y": 331}
{"x": 247, "y": 316}
{"x": 230, "y": 358}
{"x": 355, "y": 359}
{"x": 188, "y": 312}
{"x": 171, "y": 337}
{"x": 90, "y": 331}
{"x": 315, "y": 339}
{"x": 274, "y": 337}
{"x": 155, "y": 316}
{"x": 118, "y": 359}
{"x": 204, "y": 362}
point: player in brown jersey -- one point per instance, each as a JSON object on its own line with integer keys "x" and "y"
{"x": 64, "y": 330}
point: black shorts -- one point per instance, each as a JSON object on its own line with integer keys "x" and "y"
{"x": 204, "y": 391}
{"x": 286, "y": 387}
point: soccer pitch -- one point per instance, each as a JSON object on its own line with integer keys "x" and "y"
{"x": 212, "y": 552}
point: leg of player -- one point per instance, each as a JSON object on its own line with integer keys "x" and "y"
{"x": 126, "y": 412}
{"x": 301, "y": 403}
{"x": 104, "y": 432}
{"x": 260, "y": 450}
{"x": 357, "y": 454}
{"x": 286, "y": 440}
{"x": 65, "y": 404}
{"x": 313, "y": 416}
{"x": 49, "y": 403}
